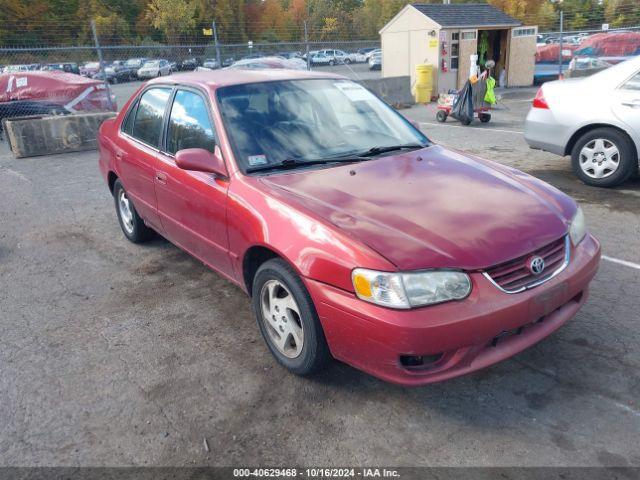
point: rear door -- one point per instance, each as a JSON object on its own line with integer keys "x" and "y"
{"x": 137, "y": 149}
{"x": 626, "y": 105}
{"x": 192, "y": 205}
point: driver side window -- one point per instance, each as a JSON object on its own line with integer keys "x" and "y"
{"x": 189, "y": 124}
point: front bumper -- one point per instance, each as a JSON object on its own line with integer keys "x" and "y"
{"x": 485, "y": 328}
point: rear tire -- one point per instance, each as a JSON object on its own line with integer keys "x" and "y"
{"x": 441, "y": 116}
{"x": 132, "y": 225}
{"x": 603, "y": 157}
{"x": 485, "y": 117}
{"x": 287, "y": 318}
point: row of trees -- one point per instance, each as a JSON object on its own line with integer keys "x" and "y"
{"x": 66, "y": 22}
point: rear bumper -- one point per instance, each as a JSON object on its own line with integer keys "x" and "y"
{"x": 465, "y": 333}
{"x": 543, "y": 132}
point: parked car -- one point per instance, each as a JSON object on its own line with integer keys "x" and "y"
{"x": 356, "y": 57}
{"x": 345, "y": 224}
{"x": 319, "y": 58}
{"x": 63, "y": 67}
{"x": 228, "y": 61}
{"x": 89, "y": 69}
{"x": 593, "y": 119}
{"x": 375, "y": 61}
{"x": 135, "y": 64}
{"x": 154, "y": 68}
{"x": 116, "y": 72}
{"x": 16, "y": 68}
{"x": 372, "y": 52}
{"x": 289, "y": 55}
{"x": 269, "y": 63}
{"x": 189, "y": 64}
{"x": 211, "y": 63}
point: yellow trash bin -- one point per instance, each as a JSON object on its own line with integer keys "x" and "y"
{"x": 424, "y": 83}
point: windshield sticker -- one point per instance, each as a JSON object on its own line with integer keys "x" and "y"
{"x": 353, "y": 91}
{"x": 257, "y": 160}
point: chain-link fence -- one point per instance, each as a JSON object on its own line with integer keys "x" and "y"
{"x": 105, "y": 57}
{"x": 94, "y": 69}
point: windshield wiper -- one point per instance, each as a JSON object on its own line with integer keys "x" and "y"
{"x": 294, "y": 163}
{"x": 391, "y": 148}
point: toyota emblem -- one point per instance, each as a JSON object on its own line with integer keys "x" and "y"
{"x": 536, "y": 265}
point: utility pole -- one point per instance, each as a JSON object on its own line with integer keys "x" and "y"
{"x": 306, "y": 43}
{"x": 560, "y": 44}
{"x": 101, "y": 61}
{"x": 215, "y": 42}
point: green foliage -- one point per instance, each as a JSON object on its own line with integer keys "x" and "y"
{"x": 67, "y": 22}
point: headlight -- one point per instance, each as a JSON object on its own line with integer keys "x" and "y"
{"x": 578, "y": 227}
{"x": 407, "y": 290}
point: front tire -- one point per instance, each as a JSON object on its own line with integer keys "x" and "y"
{"x": 441, "y": 116}
{"x": 132, "y": 225}
{"x": 287, "y": 318}
{"x": 603, "y": 157}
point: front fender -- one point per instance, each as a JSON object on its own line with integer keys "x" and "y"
{"x": 315, "y": 248}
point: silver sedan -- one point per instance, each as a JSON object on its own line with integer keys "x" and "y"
{"x": 595, "y": 119}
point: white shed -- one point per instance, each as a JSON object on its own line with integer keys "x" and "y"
{"x": 446, "y": 35}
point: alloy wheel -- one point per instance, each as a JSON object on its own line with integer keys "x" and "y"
{"x": 281, "y": 317}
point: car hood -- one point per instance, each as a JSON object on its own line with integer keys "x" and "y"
{"x": 433, "y": 208}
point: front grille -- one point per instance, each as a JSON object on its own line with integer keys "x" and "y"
{"x": 514, "y": 276}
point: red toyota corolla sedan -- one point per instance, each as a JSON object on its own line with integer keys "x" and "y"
{"x": 355, "y": 236}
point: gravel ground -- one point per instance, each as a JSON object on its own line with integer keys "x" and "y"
{"x": 118, "y": 354}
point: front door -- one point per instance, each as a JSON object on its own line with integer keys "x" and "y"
{"x": 192, "y": 205}
{"x": 137, "y": 148}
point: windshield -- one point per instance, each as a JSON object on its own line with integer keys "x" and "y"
{"x": 273, "y": 122}
{"x": 132, "y": 63}
{"x": 151, "y": 64}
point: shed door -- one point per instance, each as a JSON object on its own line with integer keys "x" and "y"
{"x": 522, "y": 56}
{"x": 468, "y": 47}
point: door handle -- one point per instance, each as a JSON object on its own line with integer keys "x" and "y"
{"x": 633, "y": 103}
{"x": 161, "y": 177}
{"x": 119, "y": 155}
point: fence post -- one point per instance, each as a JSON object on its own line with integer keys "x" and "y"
{"x": 306, "y": 43}
{"x": 560, "y": 45}
{"x": 104, "y": 75}
{"x": 215, "y": 42}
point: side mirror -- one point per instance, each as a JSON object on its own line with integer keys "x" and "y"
{"x": 201, "y": 160}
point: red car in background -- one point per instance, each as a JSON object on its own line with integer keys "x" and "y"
{"x": 355, "y": 236}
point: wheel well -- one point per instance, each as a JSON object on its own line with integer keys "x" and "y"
{"x": 574, "y": 138}
{"x": 253, "y": 258}
{"x": 111, "y": 180}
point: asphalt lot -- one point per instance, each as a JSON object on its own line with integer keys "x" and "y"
{"x": 118, "y": 354}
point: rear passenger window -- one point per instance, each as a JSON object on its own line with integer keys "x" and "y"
{"x": 189, "y": 124}
{"x": 633, "y": 83}
{"x": 147, "y": 125}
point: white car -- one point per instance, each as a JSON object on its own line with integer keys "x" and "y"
{"x": 594, "y": 119}
{"x": 368, "y": 55}
{"x": 335, "y": 56}
{"x": 154, "y": 68}
{"x": 356, "y": 57}
{"x": 211, "y": 63}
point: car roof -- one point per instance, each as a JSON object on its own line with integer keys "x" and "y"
{"x": 222, "y": 78}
